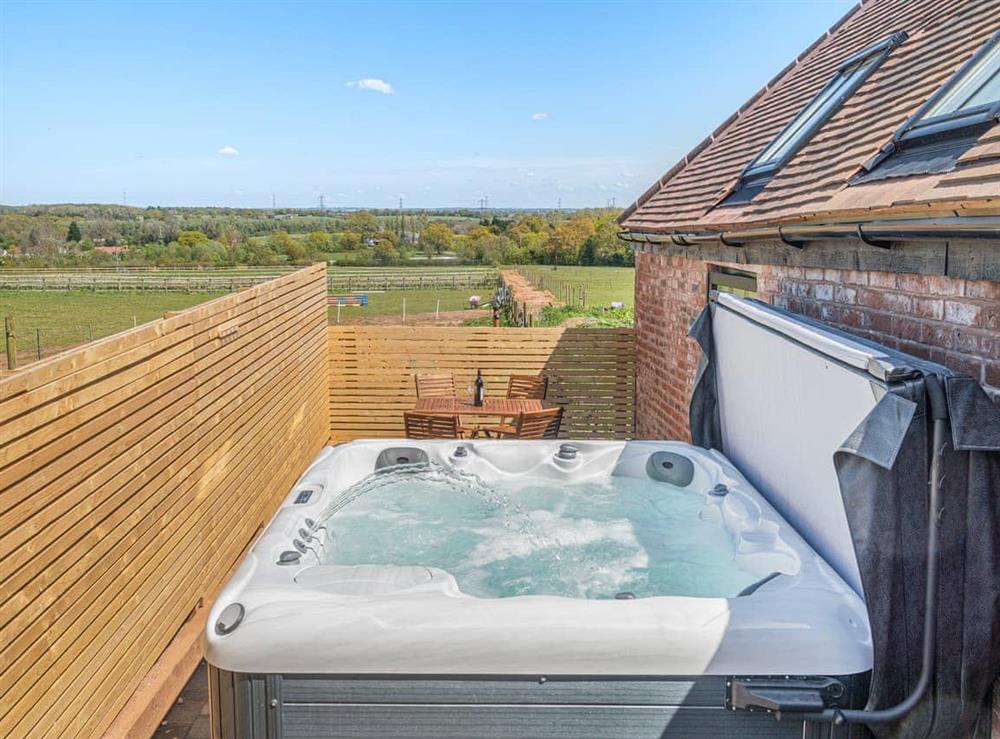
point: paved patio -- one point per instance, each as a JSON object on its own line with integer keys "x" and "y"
{"x": 188, "y": 718}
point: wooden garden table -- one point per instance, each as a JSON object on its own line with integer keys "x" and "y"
{"x": 490, "y": 406}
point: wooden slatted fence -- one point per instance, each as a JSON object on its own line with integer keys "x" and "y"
{"x": 134, "y": 471}
{"x": 591, "y": 373}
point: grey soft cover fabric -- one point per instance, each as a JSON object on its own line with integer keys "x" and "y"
{"x": 883, "y": 468}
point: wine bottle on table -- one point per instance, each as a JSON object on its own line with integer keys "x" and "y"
{"x": 477, "y": 398}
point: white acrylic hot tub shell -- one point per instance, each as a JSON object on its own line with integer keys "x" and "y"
{"x": 306, "y": 618}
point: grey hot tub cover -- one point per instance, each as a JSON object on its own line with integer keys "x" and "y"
{"x": 883, "y": 471}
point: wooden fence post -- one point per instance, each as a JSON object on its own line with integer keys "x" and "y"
{"x": 11, "y": 341}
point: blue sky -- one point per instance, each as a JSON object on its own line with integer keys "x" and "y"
{"x": 215, "y": 103}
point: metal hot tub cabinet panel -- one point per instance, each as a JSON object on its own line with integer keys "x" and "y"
{"x": 439, "y": 707}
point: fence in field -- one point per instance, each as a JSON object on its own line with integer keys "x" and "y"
{"x": 523, "y": 302}
{"x": 567, "y": 291}
{"x": 270, "y": 270}
{"x": 338, "y": 280}
{"x": 106, "y": 281}
{"x": 410, "y": 279}
{"x": 591, "y": 373}
{"x": 24, "y": 343}
{"x": 134, "y": 471}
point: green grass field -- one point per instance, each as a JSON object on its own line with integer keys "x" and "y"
{"x": 62, "y": 318}
{"x": 603, "y": 285}
{"x": 417, "y": 301}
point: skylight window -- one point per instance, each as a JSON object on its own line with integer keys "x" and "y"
{"x": 971, "y": 97}
{"x": 947, "y": 125}
{"x": 850, "y": 75}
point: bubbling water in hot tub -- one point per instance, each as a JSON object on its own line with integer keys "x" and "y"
{"x": 529, "y": 536}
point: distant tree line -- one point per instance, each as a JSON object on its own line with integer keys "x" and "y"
{"x": 79, "y": 235}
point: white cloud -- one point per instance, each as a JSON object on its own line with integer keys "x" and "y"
{"x": 229, "y": 151}
{"x": 539, "y": 116}
{"x": 372, "y": 84}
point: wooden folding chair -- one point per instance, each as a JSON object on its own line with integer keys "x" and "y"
{"x": 431, "y": 426}
{"x": 532, "y": 387}
{"x": 435, "y": 386}
{"x": 533, "y": 425}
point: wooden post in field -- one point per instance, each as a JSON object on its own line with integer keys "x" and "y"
{"x": 437, "y": 310}
{"x": 338, "y": 311}
{"x": 38, "y": 342}
{"x": 11, "y": 341}
{"x": 404, "y": 310}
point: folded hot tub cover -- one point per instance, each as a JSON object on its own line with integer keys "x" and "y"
{"x": 883, "y": 471}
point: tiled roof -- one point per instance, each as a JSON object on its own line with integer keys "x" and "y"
{"x": 943, "y": 34}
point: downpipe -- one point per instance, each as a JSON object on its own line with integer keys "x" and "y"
{"x": 838, "y": 716}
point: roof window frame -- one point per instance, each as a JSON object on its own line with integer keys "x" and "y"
{"x": 755, "y": 176}
{"x": 917, "y": 127}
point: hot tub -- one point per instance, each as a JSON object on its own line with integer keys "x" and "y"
{"x": 600, "y": 589}
{"x": 584, "y": 588}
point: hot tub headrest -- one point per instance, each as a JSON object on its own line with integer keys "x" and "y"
{"x": 670, "y": 467}
{"x": 397, "y": 455}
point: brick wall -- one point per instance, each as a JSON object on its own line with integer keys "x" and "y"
{"x": 669, "y": 292}
{"x": 950, "y": 321}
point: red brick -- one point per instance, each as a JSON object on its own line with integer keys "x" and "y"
{"x": 989, "y": 316}
{"x": 961, "y": 313}
{"x": 823, "y": 291}
{"x": 940, "y": 335}
{"x": 811, "y": 308}
{"x": 912, "y": 283}
{"x": 983, "y": 290}
{"x": 883, "y": 300}
{"x": 843, "y": 294}
{"x": 853, "y": 318}
{"x": 928, "y": 308}
{"x": 992, "y": 376}
{"x": 880, "y": 322}
{"x": 907, "y": 328}
{"x": 975, "y": 342}
{"x": 918, "y": 350}
{"x": 947, "y": 286}
{"x": 885, "y": 280}
{"x": 855, "y": 277}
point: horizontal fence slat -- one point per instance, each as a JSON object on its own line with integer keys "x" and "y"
{"x": 591, "y": 373}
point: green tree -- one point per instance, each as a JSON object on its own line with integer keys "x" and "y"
{"x": 363, "y": 223}
{"x": 208, "y": 252}
{"x": 74, "y": 233}
{"x": 190, "y": 238}
{"x": 564, "y": 244}
{"x": 385, "y": 252}
{"x": 437, "y": 236}
{"x": 319, "y": 241}
{"x": 349, "y": 241}
{"x": 280, "y": 241}
{"x": 295, "y": 251}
